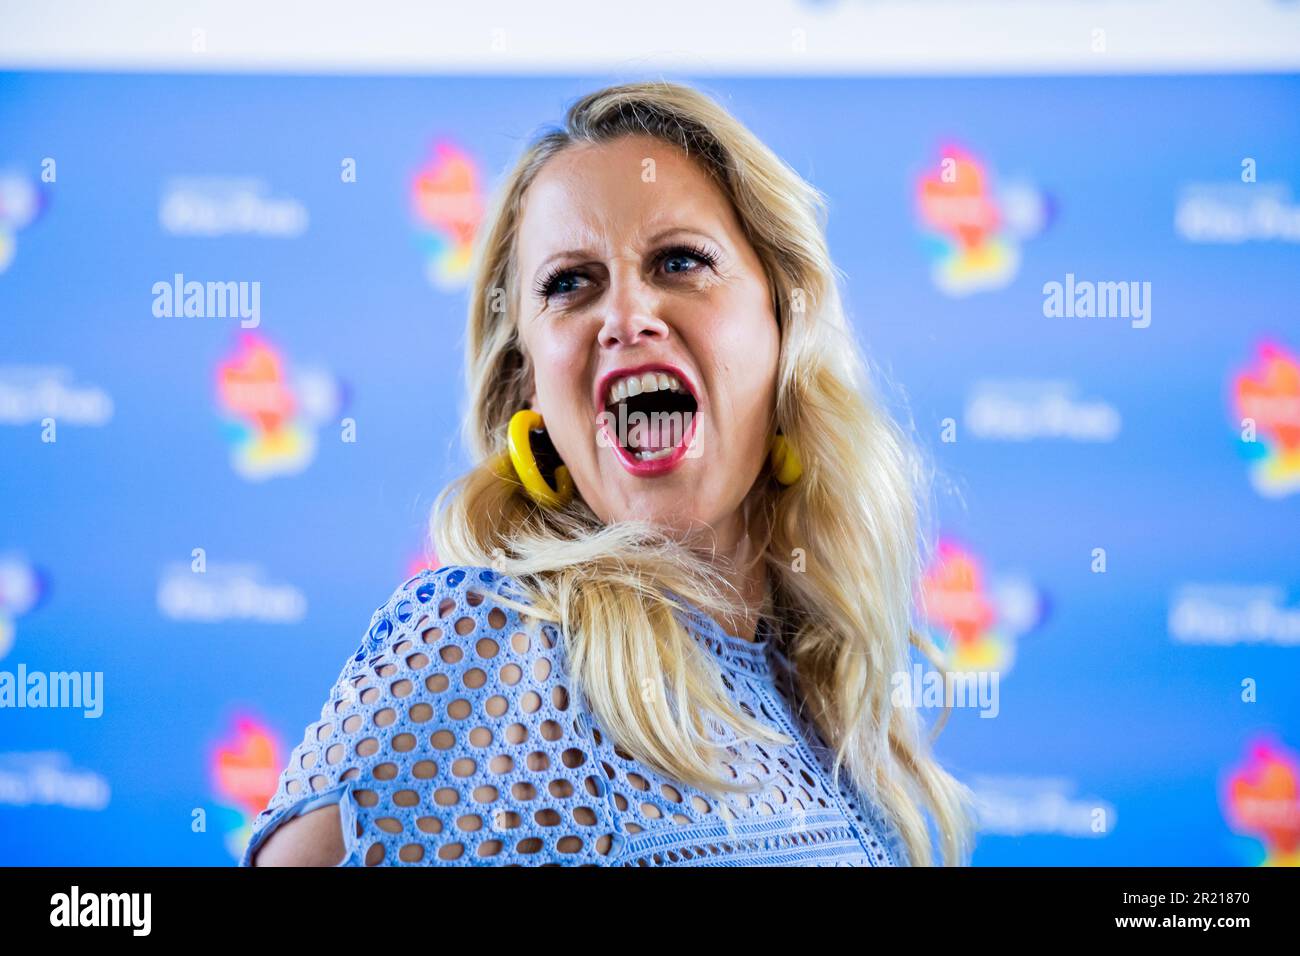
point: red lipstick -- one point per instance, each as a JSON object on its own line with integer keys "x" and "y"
{"x": 633, "y": 465}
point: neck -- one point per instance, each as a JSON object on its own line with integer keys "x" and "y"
{"x": 732, "y": 552}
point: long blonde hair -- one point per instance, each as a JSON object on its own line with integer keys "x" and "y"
{"x": 843, "y": 546}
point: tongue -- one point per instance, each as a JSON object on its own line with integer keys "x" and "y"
{"x": 656, "y": 434}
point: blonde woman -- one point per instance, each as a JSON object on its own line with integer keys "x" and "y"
{"x": 681, "y": 576}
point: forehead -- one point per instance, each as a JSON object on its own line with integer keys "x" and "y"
{"x": 593, "y": 196}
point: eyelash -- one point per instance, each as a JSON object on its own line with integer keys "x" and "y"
{"x": 545, "y": 287}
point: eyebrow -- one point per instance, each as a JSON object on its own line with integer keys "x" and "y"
{"x": 589, "y": 254}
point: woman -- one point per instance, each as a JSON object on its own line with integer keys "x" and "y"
{"x": 682, "y": 574}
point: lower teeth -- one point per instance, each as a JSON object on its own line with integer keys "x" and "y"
{"x": 652, "y": 455}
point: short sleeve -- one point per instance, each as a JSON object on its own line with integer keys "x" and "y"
{"x": 451, "y": 737}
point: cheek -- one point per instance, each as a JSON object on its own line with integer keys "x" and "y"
{"x": 746, "y": 350}
{"x": 548, "y": 356}
{"x": 558, "y": 376}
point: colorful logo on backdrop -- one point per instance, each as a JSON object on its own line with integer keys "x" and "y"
{"x": 974, "y": 226}
{"x": 22, "y": 202}
{"x": 1266, "y": 402}
{"x": 448, "y": 204}
{"x": 1261, "y": 800}
{"x": 245, "y": 769}
{"x": 272, "y": 413}
{"x": 21, "y": 589}
{"x": 978, "y": 617}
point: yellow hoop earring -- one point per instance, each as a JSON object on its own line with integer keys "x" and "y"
{"x": 525, "y": 467}
{"x": 786, "y": 465}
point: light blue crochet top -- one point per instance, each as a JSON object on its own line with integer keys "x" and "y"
{"x": 454, "y": 737}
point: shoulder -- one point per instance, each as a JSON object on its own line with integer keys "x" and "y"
{"x": 459, "y": 628}
{"x": 452, "y": 735}
{"x": 457, "y": 601}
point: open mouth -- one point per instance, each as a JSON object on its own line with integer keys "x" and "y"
{"x": 650, "y": 416}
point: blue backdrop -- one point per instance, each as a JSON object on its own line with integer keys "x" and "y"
{"x": 205, "y": 510}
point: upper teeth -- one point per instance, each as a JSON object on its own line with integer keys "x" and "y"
{"x": 622, "y": 388}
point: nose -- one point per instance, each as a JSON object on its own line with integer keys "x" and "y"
{"x": 631, "y": 317}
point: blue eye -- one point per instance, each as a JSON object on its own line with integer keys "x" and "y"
{"x": 549, "y": 285}
{"x": 679, "y": 253}
{"x": 560, "y": 281}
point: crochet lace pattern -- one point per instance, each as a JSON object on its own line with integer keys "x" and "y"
{"x": 454, "y": 737}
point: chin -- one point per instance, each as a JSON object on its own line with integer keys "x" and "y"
{"x": 667, "y": 511}
{"x": 655, "y": 509}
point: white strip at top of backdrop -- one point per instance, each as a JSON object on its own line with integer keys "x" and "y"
{"x": 796, "y": 37}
